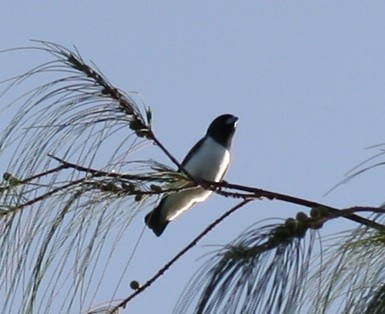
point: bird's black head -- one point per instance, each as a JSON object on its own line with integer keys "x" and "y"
{"x": 222, "y": 129}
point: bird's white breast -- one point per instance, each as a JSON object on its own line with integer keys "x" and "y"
{"x": 209, "y": 163}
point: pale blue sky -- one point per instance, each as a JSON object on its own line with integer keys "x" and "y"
{"x": 306, "y": 79}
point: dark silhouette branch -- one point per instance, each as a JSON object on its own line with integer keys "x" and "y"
{"x": 218, "y": 187}
{"x": 97, "y": 88}
{"x": 101, "y": 173}
{"x": 292, "y": 228}
{"x": 137, "y": 123}
{"x": 6, "y": 175}
{"x": 259, "y": 193}
{"x": 149, "y": 282}
{"x": 358, "y": 209}
{"x": 252, "y": 192}
{"x": 40, "y": 197}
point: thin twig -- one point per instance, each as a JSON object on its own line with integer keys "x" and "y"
{"x": 175, "y": 161}
{"x": 40, "y": 197}
{"x": 357, "y": 209}
{"x": 36, "y": 176}
{"x": 101, "y": 173}
{"x": 218, "y": 187}
{"x": 299, "y": 201}
{"x": 179, "y": 255}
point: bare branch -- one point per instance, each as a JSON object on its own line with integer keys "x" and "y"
{"x": 180, "y": 254}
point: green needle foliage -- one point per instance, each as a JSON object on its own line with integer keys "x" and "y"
{"x": 57, "y": 213}
{"x": 262, "y": 271}
{"x": 62, "y": 200}
{"x": 351, "y": 277}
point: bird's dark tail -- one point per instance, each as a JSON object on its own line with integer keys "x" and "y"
{"x": 155, "y": 221}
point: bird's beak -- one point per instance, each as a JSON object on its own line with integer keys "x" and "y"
{"x": 233, "y": 120}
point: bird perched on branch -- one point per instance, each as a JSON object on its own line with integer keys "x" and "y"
{"x": 209, "y": 159}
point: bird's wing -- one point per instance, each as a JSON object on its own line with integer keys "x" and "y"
{"x": 192, "y": 151}
{"x": 224, "y": 173}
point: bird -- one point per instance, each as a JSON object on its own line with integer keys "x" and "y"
{"x": 208, "y": 159}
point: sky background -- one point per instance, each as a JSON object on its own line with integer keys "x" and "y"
{"x": 306, "y": 79}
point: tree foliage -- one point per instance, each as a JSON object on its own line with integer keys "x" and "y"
{"x": 63, "y": 199}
